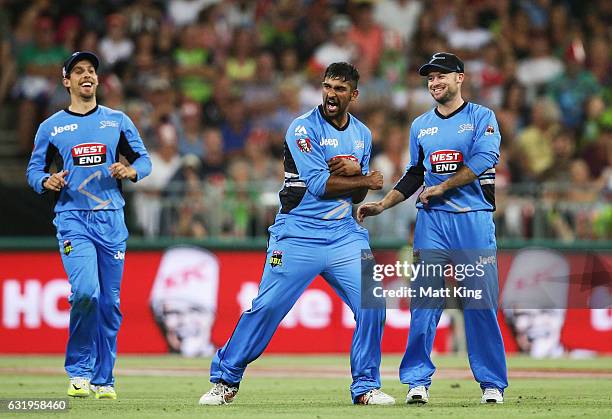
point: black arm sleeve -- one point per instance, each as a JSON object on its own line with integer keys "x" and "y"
{"x": 413, "y": 178}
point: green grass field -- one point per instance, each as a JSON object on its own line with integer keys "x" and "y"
{"x": 316, "y": 387}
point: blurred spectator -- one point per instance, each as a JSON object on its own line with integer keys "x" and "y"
{"x": 572, "y": 88}
{"x": 399, "y": 16}
{"x": 598, "y": 154}
{"x": 236, "y": 127}
{"x": 260, "y": 94}
{"x": 185, "y": 12}
{"x": 116, "y": 47}
{"x": 193, "y": 58}
{"x": 39, "y": 66}
{"x": 147, "y": 202}
{"x": 143, "y": 16}
{"x": 540, "y": 67}
{"x": 214, "y": 163}
{"x": 239, "y": 200}
{"x": 287, "y": 108}
{"x": 241, "y": 65}
{"x": 466, "y": 37}
{"x": 535, "y": 140}
{"x": 190, "y": 134}
{"x": 395, "y": 156}
{"x": 563, "y": 150}
{"x": 367, "y": 36}
{"x": 338, "y": 47}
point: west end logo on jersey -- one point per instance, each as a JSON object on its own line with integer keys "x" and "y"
{"x": 89, "y": 154}
{"x": 304, "y": 145}
{"x": 465, "y": 127}
{"x": 446, "y": 161}
{"x": 332, "y": 142}
{"x": 112, "y": 124}
{"x": 359, "y": 144}
{"x": 300, "y": 130}
{"x": 427, "y": 131}
{"x": 59, "y": 130}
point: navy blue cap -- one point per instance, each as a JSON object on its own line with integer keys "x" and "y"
{"x": 75, "y": 58}
{"x": 444, "y": 62}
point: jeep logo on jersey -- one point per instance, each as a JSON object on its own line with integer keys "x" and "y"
{"x": 427, "y": 131}
{"x": 446, "y": 161}
{"x": 89, "y": 154}
{"x": 332, "y": 142}
{"x": 59, "y": 130}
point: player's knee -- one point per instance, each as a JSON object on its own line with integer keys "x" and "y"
{"x": 85, "y": 299}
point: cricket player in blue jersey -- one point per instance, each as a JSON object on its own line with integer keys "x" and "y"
{"x": 326, "y": 158}
{"x": 453, "y": 150}
{"x": 84, "y": 142}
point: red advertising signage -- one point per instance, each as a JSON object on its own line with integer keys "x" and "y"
{"x": 188, "y": 300}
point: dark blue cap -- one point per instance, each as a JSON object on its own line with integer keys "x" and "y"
{"x": 444, "y": 62}
{"x": 75, "y": 58}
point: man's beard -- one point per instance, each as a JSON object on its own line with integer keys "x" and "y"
{"x": 448, "y": 96}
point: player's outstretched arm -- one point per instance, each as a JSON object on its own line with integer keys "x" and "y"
{"x": 371, "y": 209}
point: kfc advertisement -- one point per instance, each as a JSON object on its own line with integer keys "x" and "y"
{"x": 187, "y": 300}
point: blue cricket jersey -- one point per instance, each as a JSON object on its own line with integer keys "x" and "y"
{"x": 440, "y": 145}
{"x": 311, "y": 141}
{"x": 86, "y": 145}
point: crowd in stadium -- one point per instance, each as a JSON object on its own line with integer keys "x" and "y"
{"x": 212, "y": 85}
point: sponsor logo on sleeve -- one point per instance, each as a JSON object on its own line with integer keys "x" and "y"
{"x": 300, "y": 130}
{"x": 65, "y": 128}
{"x": 490, "y": 130}
{"x": 304, "y": 145}
{"x": 89, "y": 154}
{"x": 112, "y": 124}
{"x": 359, "y": 145}
{"x": 446, "y": 161}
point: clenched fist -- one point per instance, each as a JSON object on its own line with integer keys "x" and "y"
{"x": 56, "y": 181}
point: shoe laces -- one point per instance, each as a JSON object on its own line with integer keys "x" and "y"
{"x": 491, "y": 392}
{"x": 105, "y": 389}
{"x": 222, "y": 389}
{"x": 79, "y": 382}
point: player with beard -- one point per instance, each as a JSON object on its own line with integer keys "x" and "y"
{"x": 453, "y": 150}
{"x": 326, "y": 158}
{"x": 84, "y": 142}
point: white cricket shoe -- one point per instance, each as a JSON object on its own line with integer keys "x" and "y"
{"x": 375, "y": 396}
{"x": 418, "y": 394}
{"x": 492, "y": 395}
{"x": 78, "y": 387}
{"x": 219, "y": 394}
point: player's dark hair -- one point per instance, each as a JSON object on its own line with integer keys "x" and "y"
{"x": 343, "y": 71}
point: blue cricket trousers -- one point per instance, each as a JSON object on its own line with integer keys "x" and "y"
{"x": 299, "y": 249}
{"x": 92, "y": 245}
{"x": 458, "y": 237}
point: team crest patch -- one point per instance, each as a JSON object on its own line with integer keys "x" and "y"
{"x": 277, "y": 258}
{"x": 67, "y": 247}
{"x": 490, "y": 130}
{"x": 304, "y": 145}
